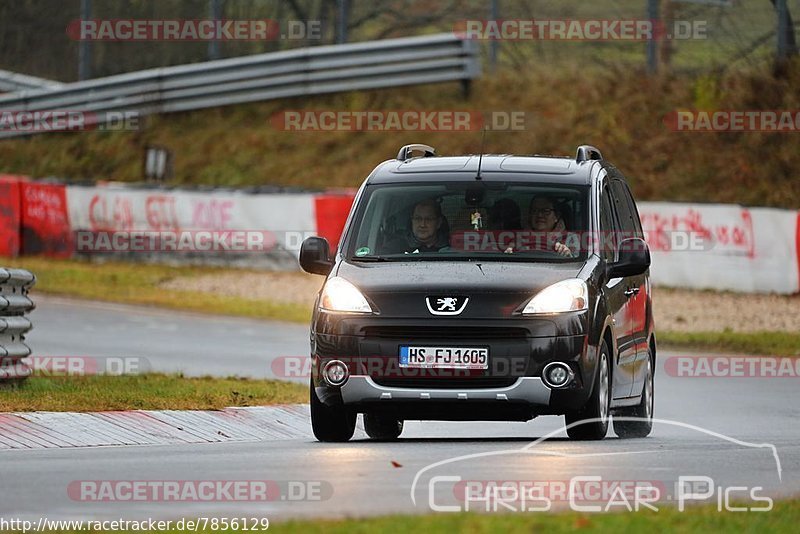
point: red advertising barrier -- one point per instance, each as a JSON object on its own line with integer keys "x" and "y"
{"x": 10, "y": 217}
{"x": 45, "y": 221}
{"x": 797, "y": 247}
{"x": 331, "y": 212}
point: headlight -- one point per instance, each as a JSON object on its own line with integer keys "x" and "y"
{"x": 339, "y": 295}
{"x": 565, "y": 296}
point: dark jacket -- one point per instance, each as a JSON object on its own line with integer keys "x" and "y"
{"x": 409, "y": 244}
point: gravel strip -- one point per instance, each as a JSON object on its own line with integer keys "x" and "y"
{"x": 680, "y": 310}
{"x": 285, "y": 287}
{"x": 676, "y": 310}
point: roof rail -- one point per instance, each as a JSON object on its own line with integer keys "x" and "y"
{"x": 405, "y": 152}
{"x": 586, "y": 153}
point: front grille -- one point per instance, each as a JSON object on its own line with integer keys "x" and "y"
{"x": 438, "y": 332}
{"x": 447, "y": 383}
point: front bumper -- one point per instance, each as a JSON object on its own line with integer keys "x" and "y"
{"x": 361, "y": 389}
{"x": 511, "y": 387}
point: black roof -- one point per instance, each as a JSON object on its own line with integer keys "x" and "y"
{"x": 494, "y": 167}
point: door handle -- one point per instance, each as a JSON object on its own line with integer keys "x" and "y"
{"x": 631, "y": 292}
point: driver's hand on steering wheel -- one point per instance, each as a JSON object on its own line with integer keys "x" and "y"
{"x": 563, "y": 249}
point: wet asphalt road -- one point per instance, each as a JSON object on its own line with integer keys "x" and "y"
{"x": 740, "y": 433}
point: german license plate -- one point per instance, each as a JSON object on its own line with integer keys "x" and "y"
{"x": 444, "y": 357}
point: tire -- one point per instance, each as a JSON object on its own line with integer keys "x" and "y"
{"x": 597, "y": 408}
{"x": 331, "y": 423}
{"x": 644, "y": 411}
{"x": 382, "y": 427}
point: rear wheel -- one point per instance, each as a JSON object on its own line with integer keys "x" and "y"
{"x": 331, "y": 423}
{"x": 382, "y": 427}
{"x": 596, "y": 410}
{"x": 643, "y": 412}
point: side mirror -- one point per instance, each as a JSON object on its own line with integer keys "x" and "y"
{"x": 633, "y": 257}
{"x": 315, "y": 256}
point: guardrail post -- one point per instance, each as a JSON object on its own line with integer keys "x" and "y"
{"x": 85, "y": 45}
{"x": 14, "y": 304}
{"x": 654, "y": 16}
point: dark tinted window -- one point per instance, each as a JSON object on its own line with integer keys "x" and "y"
{"x": 607, "y": 225}
{"x": 628, "y": 217}
{"x": 465, "y": 220}
{"x": 634, "y": 212}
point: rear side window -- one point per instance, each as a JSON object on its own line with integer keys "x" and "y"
{"x": 608, "y": 226}
{"x": 626, "y": 210}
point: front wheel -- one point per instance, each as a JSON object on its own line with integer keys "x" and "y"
{"x": 593, "y": 417}
{"x": 331, "y": 423}
{"x": 638, "y": 422}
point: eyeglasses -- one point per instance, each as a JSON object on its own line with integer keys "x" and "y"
{"x": 428, "y": 220}
{"x": 543, "y": 211}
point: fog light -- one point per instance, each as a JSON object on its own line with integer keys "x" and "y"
{"x": 335, "y": 373}
{"x": 557, "y": 375}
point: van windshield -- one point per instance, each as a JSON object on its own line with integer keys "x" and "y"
{"x": 471, "y": 220}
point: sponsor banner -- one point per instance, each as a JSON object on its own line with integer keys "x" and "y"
{"x": 750, "y": 250}
{"x": 696, "y": 246}
{"x": 797, "y": 249}
{"x": 45, "y": 220}
{"x": 119, "y": 220}
{"x": 10, "y": 216}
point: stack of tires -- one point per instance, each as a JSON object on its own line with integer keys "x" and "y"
{"x": 14, "y": 304}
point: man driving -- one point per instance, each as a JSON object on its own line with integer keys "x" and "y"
{"x": 427, "y": 222}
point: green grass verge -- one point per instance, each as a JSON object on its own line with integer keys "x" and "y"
{"x": 758, "y": 343}
{"x": 783, "y": 518}
{"x": 137, "y": 283}
{"x": 150, "y": 391}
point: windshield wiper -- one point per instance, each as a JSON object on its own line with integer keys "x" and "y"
{"x": 369, "y": 258}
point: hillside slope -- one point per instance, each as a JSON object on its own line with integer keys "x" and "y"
{"x": 620, "y": 111}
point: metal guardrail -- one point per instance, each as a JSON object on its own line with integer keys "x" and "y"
{"x": 286, "y": 74}
{"x": 14, "y": 81}
{"x": 14, "y": 304}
